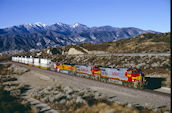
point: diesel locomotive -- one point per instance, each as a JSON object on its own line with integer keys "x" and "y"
{"x": 130, "y": 77}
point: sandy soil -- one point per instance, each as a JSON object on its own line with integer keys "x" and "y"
{"x": 35, "y": 79}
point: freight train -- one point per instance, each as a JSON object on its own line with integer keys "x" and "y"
{"x": 131, "y": 77}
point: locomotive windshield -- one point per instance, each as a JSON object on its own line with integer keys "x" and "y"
{"x": 139, "y": 71}
{"x": 129, "y": 72}
{"x": 96, "y": 67}
{"x": 134, "y": 72}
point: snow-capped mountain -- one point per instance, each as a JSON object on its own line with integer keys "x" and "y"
{"x": 39, "y": 36}
{"x": 75, "y": 25}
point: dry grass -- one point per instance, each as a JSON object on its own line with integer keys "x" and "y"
{"x": 4, "y": 69}
{"x": 143, "y": 43}
{"x": 103, "y": 108}
{"x": 97, "y": 107}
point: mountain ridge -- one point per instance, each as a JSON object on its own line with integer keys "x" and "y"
{"x": 38, "y": 36}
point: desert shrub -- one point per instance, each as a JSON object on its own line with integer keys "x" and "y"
{"x": 9, "y": 104}
{"x": 55, "y": 51}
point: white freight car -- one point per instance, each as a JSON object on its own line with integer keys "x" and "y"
{"x": 26, "y": 60}
{"x": 36, "y": 62}
{"x": 20, "y": 59}
{"x": 31, "y": 61}
{"x": 17, "y": 59}
{"x": 13, "y": 58}
{"x": 45, "y": 63}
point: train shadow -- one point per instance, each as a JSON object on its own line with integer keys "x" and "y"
{"x": 153, "y": 82}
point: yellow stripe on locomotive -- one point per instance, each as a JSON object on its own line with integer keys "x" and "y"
{"x": 59, "y": 66}
{"x": 68, "y": 67}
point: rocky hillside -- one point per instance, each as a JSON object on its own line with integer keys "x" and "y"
{"x": 38, "y": 36}
{"x": 144, "y": 43}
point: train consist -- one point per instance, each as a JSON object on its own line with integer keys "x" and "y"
{"x": 130, "y": 77}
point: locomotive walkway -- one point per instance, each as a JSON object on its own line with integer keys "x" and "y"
{"x": 116, "y": 92}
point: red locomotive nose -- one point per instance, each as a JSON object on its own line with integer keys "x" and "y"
{"x": 95, "y": 70}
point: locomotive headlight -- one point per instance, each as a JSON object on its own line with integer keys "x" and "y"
{"x": 132, "y": 80}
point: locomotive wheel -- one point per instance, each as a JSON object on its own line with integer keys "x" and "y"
{"x": 129, "y": 84}
{"x": 106, "y": 80}
{"x": 70, "y": 72}
{"x": 132, "y": 85}
{"x": 95, "y": 77}
{"x": 140, "y": 86}
{"x": 125, "y": 83}
{"x": 74, "y": 73}
{"x": 102, "y": 79}
{"x": 89, "y": 77}
{"x": 98, "y": 78}
{"x": 136, "y": 85}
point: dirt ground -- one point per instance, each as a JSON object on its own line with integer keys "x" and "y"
{"x": 35, "y": 79}
{"x": 38, "y": 78}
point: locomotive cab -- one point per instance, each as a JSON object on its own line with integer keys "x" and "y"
{"x": 96, "y": 70}
{"x": 135, "y": 77}
{"x": 59, "y": 66}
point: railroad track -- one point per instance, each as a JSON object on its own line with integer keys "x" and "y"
{"x": 120, "y": 92}
{"x": 125, "y": 54}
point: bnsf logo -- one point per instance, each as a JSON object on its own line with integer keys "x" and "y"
{"x": 115, "y": 73}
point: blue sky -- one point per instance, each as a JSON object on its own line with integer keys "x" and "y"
{"x": 143, "y": 14}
